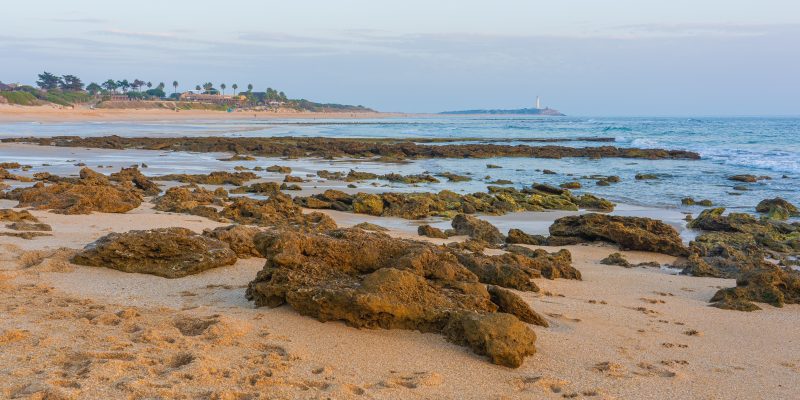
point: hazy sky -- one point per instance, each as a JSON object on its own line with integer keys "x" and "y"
{"x": 584, "y": 57}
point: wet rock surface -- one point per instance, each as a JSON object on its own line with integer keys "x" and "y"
{"x": 193, "y": 200}
{"x": 214, "y": 178}
{"x": 633, "y": 233}
{"x": 239, "y": 238}
{"x": 477, "y": 228}
{"x": 370, "y": 280}
{"x": 361, "y": 148}
{"x": 166, "y": 252}
{"x": 517, "y": 236}
{"x": 431, "y": 232}
{"x": 777, "y": 209}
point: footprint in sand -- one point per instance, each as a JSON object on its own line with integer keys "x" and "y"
{"x": 411, "y": 380}
{"x": 539, "y": 383}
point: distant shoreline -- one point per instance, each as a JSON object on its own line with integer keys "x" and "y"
{"x": 12, "y": 113}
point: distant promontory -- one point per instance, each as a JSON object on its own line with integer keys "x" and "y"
{"x": 519, "y": 111}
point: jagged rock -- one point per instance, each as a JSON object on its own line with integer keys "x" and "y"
{"x": 277, "y": 211}
{"x": 772, "y": 285}
{"x": 571, "y": 185}
{"x": 477, "y": 228}
{"x": 262, "y": 188}
{"x": 280, "y": 169}
{"x": 368, "y": 226}
{"x": 370, "y": 280}
{"x": 550, "y": 265}
{"x": 292, "y": 179}
{"x": 502, "y": 337}
{"x": 92, "y": 192}
{"x": 165, "y": 252}
{"x": 133, "y": 175}
{"x": 616, "y": 259}
{"x": 510, "y": 303}
{"x": 591, "y": 202}
{"x": 193, "y": 200}
{"x": 367, "y": 203}
{"x": 10, "y": 215}
{"x": 632, "y": 233}
{"x": 777, "y": 209}
{"x": 214, "y": 178}
{"x": 430, "y": 231}
{"x": 516, "y": 236}
{"x": 712, "y": 219}
{"x": 239, "y": 238}
{"x": 29, "y": 226}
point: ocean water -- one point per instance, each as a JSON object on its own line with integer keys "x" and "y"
{"x": 728, "y": 146}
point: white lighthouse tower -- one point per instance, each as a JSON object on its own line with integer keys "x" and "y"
{"x": 538, "y": 104}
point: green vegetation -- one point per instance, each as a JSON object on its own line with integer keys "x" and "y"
{"x": 20, "y": 98}
{"x": 66, "y": 98}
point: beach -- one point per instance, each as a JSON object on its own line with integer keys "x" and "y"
{"x": 78, "y": 331}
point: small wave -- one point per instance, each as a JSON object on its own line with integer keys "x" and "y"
{"x": 617, "y": 128}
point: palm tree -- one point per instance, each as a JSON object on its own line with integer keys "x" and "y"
{"x": 222, "y": 86}
{"x": 174, "y": 86}
{"x": 149, "y": 84}
{"x": 197, "y": 88}
{"x": 234, "y": 87}
{"x": 249, "y": 87}
{"x": 161, "y": 86}
{"x": 110, "y": 85}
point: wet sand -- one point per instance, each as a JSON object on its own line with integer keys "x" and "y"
{"x": 85, "y": 332}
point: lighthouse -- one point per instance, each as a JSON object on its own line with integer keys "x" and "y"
{"x": 538, "y": 104}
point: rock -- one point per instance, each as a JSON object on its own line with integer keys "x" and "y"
{"x": 549, "y": 189}
{"x": 501, "y": 182}
{"x": 743, "y": 178}
{"x": 777, "y": 209}
{"x": 368, "y": 226}
{"x": 508, "y": 270}
{"x": 502, "y": 337}
{"x": 214, "y": 178}
{"x": 29, "y": 226}
{"x": 616, "y": 259}
{"x": 191, "y": 199}
{"x": 772, "y": 285}
{"x": 640, "y": 177}
{"x": 277, "y": 211}
{"x": 516, "y": 236}
{"x": 688, "y": 201}
{"x": 141, "y": 182}
{"x": 238, "y": 157}
{"x": 430, "y": 231}
{"x": 451, "y": 177}
{"x": 291, "y": 187}
{"x": 292, "y": 179}
{"x": 279, "y": 168}
{"x": 632, "y": 233}
{"x": 591, "y": 202}
{"x": 550, "y": 265}
{"x": 354, "y": 176}
{"x": 477, "y": 229}
{"x": 510, "y": 303}
{"x": 493, "y": 166}
{"x": 571, "y": 185}
{"x": 239, "y": 238}
{"x": 712, "y": 219}
{"x": 549, "y": 172}
{"x": 92, "y": 192}
{"x": 10, "y": 215}
{"x": 165, "y": 252}
{"x": 262, "y": 188}
{"x": 367, "y": 203}
{"x": 370, "y": 280}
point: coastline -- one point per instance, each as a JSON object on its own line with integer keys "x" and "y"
{"x": 44, "y": 114}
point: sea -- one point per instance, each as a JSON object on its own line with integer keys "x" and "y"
{"x": 766, "y": 147}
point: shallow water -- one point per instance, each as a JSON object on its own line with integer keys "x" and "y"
{"x": 728, "y": 146}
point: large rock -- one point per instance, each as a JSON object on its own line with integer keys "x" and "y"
{"x": 165, "y": 252}
{"x": 777, "y": 208}
{"x": 516, "y": 236}
{"x": 477, "y": 228}
{"x": 772, "y": 285}
{"x": 370, "y": 280}
{"x": 141, "y": 182}
{"x": 92, "y": 192}
{"x": 240, "y": 238}
{"x": 277, "y": 211}
{"x": 367, "y": 203}
{"x": 631, "y": 233}
{"x": 193, "y": 200}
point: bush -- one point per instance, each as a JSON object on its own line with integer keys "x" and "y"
{"x": 20, "y": 98}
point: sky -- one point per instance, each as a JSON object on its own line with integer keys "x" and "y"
{"x": 583, "y": 57}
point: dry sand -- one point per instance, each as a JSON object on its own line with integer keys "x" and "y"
{"x": 71, "y": 331}
{"x": 49, "y": 113}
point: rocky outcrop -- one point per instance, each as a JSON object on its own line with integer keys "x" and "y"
{"x": 193, "y": 200}
{"x": 431, "y": 232}
{"x": 616, "y": 259}
{"x": 92, "y": 192}
{"x": 214, "y": 178}
{"x": 516, "y": 236}
{"x": 262, "y": 188}
{"x": 772, "y": 285}
{"x": 277, "y": 211}
{"x": 396, "y": 149}
{"x": 370, "y": 280}
{"x": 556, "y": 265}
{"x": 777, "y": 209}
{"x": 630, "y": 233}
{"x": 141, "y": 182}
{"x": 166, "y": 252}
{"x": 10, "y": 215}
{"x": 477, "y": 228}
{"x": 239, "y": 238}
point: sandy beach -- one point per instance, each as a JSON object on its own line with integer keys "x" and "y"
{"x": 620, "y": 333}
{"x": 53, "y": 113}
